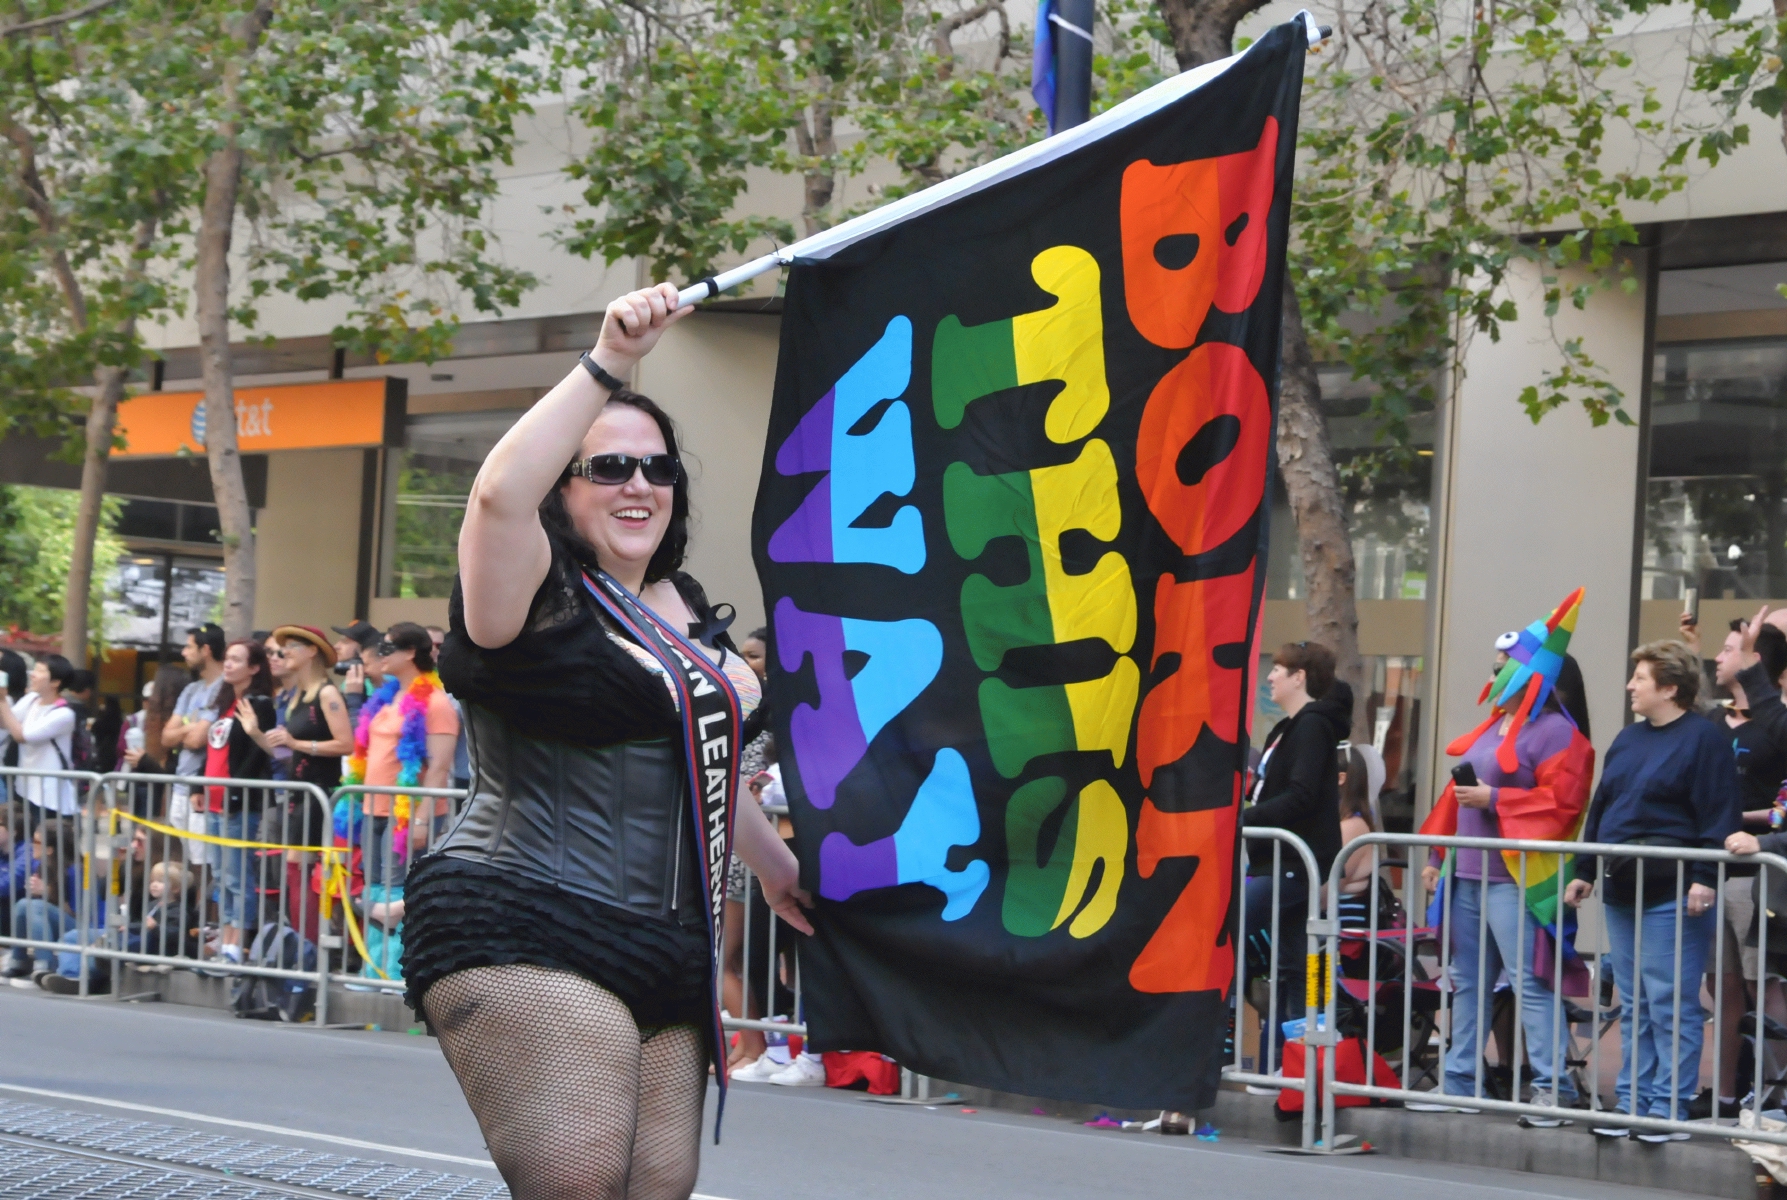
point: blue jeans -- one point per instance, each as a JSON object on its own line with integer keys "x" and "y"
{"x": 1288, "y": 941}
{"x": 233, "y": 863}
{"x": 40, "y": 921}
{"x": 99, "y": 970}
{"x": 1649, "y": 1017}
{"x": 1511, "y": 931}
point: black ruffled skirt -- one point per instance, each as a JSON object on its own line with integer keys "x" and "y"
{"x": 460, "y": 914}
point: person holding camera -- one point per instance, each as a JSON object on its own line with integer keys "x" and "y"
{"x": 356, "y": 665}
{"x": 1670, "y": 780}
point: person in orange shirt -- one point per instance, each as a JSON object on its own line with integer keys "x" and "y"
{"x": 405, "y": 737}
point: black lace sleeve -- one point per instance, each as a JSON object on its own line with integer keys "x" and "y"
{"x": 561, "y": 679}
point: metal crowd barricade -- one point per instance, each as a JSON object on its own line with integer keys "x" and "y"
{"x": 1670, "y": 878}
{"x": 1316, "y": 1033}
{"x": 123, "y": 856}
{"x": 36, "y": 916}
{"x": 774, "y": 1007}
{"x": 379, "y": 852}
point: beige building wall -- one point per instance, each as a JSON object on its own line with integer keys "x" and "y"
{"x": 714, "y": 373}
{"x": 1524, "y": 513}
{"x": 306, "y": 539}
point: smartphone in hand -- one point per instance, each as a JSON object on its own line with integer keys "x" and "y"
{"x": 1464, "y": 775}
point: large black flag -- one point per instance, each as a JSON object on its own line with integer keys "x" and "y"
{"x": 1011, "y": 530}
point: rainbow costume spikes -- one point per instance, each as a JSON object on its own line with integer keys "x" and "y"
{"x": 1535, "y": 656}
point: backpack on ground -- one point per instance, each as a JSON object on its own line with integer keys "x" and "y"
{"x": 260, "y": 998}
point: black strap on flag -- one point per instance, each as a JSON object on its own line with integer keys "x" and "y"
{"x": 712, "y": 719}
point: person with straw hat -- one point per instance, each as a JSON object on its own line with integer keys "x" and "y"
{"x": 317, "y": 730}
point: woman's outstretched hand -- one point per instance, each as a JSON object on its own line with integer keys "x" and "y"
{"x": 781, "y": 888}
{"x": 633, "y": 325}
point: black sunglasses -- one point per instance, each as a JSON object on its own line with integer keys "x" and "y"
{"x": 660, "y": 470}
{"x": 386, "y": 647}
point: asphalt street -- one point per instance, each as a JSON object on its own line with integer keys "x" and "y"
{"x": 390, "y": 1097}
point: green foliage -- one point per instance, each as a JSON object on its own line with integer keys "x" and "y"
{"x": 36, "y": 545}
{"x": 1445, "y": 147}
{"x": 87, "y": 196}
{"x": 692, "y": 110}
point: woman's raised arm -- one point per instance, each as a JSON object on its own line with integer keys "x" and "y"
{"x": 503, "y": 553}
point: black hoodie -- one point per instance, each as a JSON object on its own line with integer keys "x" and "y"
{"x": 1301, "y": 791}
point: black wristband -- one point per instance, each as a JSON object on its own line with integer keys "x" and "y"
{"x": 599, "y": 375}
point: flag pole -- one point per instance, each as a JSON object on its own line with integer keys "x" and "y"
{"x": 829, "y": 241}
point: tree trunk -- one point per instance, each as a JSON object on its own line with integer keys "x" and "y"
{"x": 223, "y": 173}
{"x": 818, "y": 141}
{"x": 223, "y": 181}
{"x": 102, "y": 417}
{"x": 1204, "y": 31}
{"x": 1306, "y": 463}
{"x": 102, "y": 421}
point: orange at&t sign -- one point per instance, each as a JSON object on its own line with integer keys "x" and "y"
{"x": 301, "y": 416}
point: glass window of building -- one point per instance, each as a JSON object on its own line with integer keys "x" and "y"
{"x": 1716, "y": 504}
{"x": 425, "y": 492}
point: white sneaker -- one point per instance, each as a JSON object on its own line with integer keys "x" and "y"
{"x": 1544, "y": 1100}
{"x": 1611, "y": 1131}
{"x": 28, "y": 985}
{"x": 804, "y": 1071}
{"x": 1657, "y": 1137}
{"x": 758, "y": 1070}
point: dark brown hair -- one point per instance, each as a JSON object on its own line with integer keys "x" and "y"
{"x": 1355, "y": 793}
{"x": 260, "y": 679}
{"x": 407, "y": 635}
{"x": 1316, "y": 662}
{"x": 667, "y": 559}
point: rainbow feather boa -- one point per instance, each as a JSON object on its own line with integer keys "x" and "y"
{"x": 412, "y": 754}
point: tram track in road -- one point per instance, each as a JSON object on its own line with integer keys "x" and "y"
{"x": 34, "y": 1168}
{"x": 59, "y": 1153}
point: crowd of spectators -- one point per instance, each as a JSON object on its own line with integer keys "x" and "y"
{"x": 210, "y": 864}
{"x": 1702, "y": 765}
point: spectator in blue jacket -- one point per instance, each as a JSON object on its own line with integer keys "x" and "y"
{"x": 46, "y": 883}
{"x": 1669, "y": 780}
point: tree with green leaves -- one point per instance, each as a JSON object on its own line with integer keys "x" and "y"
{"x": 88, "y": 199}
{"x": 1443, "y": 147}
{"x": 38, "y": 542}
{"x": 685, "y": 110}
{"x": 356, "y": 143}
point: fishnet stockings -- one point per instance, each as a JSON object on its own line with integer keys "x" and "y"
{"x": 575, "y": 1101}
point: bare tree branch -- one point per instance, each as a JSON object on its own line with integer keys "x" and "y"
{"x": 73, "y": 14}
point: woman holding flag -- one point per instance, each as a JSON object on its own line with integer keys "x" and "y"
{"x": 562, "y": 941}
{"x": 1526, "y": 774}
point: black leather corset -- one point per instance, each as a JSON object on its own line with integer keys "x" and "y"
{"x": 610, "y": 824}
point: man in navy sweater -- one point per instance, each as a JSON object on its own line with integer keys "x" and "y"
{"x": 1669, "y": 780}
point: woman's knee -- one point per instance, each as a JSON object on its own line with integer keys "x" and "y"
{"x": 560, "y": 1174}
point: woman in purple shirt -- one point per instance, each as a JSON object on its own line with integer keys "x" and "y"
{"x": 1490, "y": 926}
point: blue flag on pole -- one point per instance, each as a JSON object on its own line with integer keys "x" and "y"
{"x": 1042, "y": 67}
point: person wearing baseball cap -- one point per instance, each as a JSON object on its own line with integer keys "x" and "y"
{"x": 356, "y": 664}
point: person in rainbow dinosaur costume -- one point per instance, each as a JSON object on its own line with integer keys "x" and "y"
{"x": 1534, "y": 766}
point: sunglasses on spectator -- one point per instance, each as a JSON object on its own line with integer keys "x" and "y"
{"x": 660, "y": 470}
{"x": 386, "y": 647}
